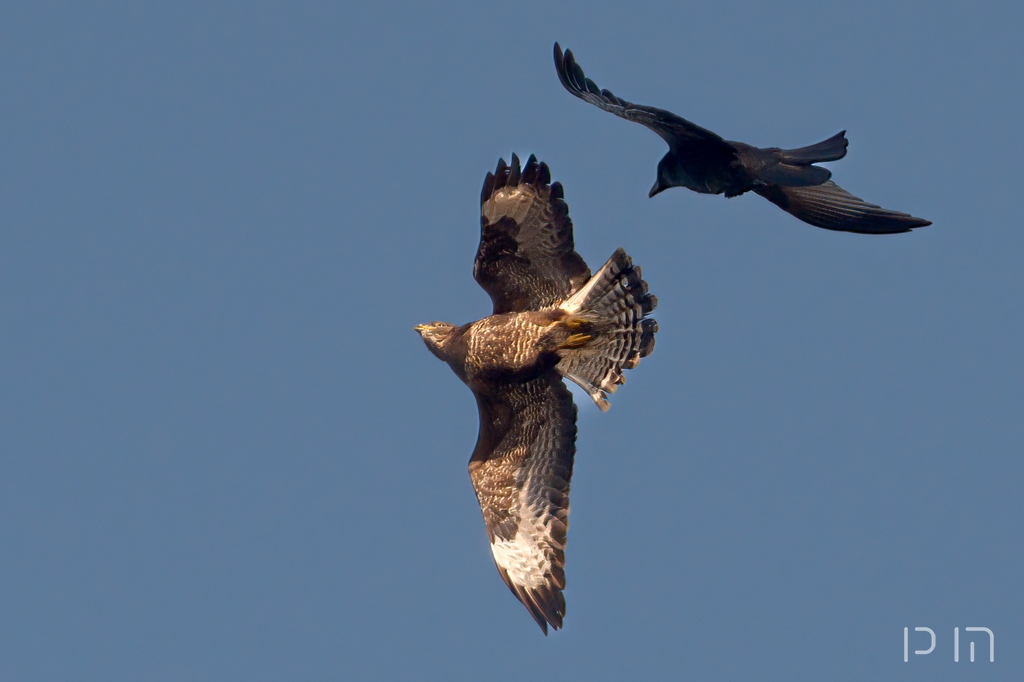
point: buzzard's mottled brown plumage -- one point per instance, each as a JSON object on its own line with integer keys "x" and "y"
{"x": 521, "y": 468}
{"x": 551, "y": 319}
{"x": 521, "y": 267}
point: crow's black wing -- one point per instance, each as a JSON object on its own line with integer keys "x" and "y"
{"x": 830, "y": 206}
{"x": 680, "y": 134}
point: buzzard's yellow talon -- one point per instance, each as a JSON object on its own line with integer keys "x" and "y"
{"x": 576, "y": 341}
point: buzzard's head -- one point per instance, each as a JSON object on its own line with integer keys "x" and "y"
{"x": 436, "y": 335}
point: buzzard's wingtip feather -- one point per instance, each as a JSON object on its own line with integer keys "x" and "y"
{"x": 501, "y": 175}
{"x": 530, "y": 171}
{"x": 544, "y": 177}
{"x": 546, "y": 605}
{"x": 488, "y": 188}
{"x": 515, "y": 172}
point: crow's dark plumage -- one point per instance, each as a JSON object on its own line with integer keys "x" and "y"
{"x": 700, "y": 160}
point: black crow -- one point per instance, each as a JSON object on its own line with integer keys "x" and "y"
{"x": 700, "y": 160}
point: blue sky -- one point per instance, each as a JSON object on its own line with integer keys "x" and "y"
{"x": 226, "y": 455}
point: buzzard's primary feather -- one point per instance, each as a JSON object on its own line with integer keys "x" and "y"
{"x": 551, "y": 319}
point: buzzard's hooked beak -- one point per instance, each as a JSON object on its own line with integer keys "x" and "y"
{"x": 658, "y": 188}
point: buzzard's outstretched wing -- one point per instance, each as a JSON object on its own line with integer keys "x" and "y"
{"x": 830, "y": 206}
{"x": 680, "y": 134}
{"x": 526, "y": 260}
{"x": 521, "y": 469}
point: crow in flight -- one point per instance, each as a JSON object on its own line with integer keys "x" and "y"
{"x": 700, "y": 160}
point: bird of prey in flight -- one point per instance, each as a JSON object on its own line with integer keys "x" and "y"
{"x": 551, "y": 319}
{"x": 700, "y": 160}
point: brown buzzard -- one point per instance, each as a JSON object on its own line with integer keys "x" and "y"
{"x": 551, "y": 319}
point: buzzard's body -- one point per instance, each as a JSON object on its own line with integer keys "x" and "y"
{"x": 508, "y": 347}
{"x": 551, "y": 319}
{"x": 700, "y": 160}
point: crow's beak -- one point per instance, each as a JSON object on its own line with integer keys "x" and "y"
{"x": 658, "y": 187}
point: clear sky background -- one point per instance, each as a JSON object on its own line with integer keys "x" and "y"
{"x": 226, "y": 455}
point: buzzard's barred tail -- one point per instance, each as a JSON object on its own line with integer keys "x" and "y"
{"x": 614, "y": 305}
